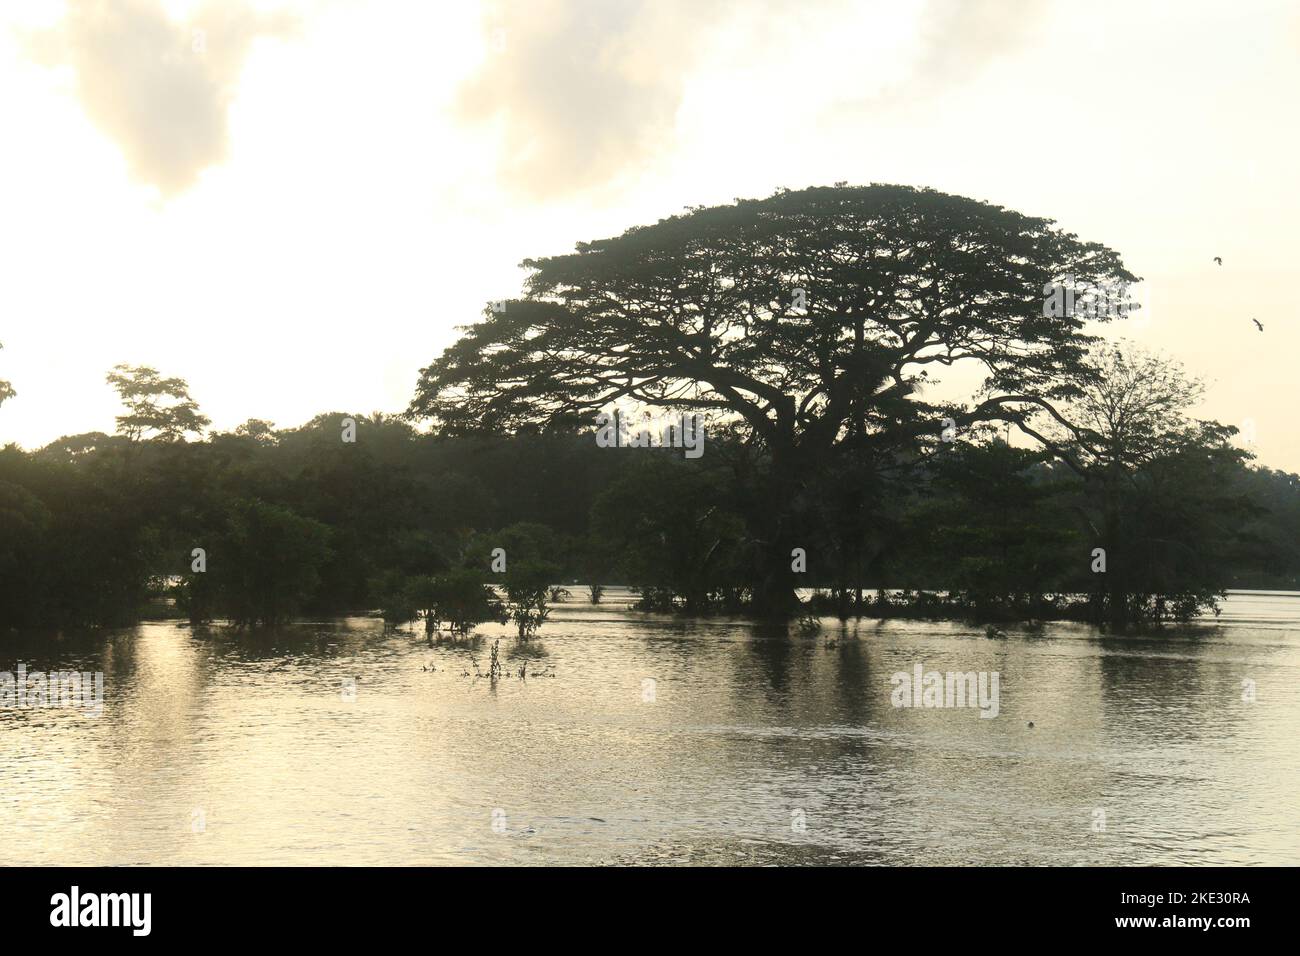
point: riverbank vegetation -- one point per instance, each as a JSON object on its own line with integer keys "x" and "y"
{"x": 96, "y": 529}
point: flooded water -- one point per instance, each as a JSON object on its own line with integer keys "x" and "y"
{"x": 659, "y": 740}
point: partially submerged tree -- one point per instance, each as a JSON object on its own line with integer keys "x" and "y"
{"x": 532, "y": 555}
{"x": 811, "y": 318}
{"x": 1158, "y": 500}
{"x": 993, "y": 525}
{"x": 528, "y": 587}
{"x": 669, "y": 531}
{"x": 459, "y": 599}
{"x": 155, "y": 404}
{"x": 261, "y": 566}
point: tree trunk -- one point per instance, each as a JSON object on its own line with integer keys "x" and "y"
{"x": 774, "y": 593}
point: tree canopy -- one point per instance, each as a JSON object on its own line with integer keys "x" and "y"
{"x": 809, "y": 315}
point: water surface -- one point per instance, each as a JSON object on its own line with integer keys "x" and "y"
{"x": 222, "y": 747}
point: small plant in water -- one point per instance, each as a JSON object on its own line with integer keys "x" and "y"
{"x": 496, "y": 669}
{"x": 809, "y": 623}
{"x": 494, "y": 665}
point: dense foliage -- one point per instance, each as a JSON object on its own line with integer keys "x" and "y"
{"x": 293, "y": 522}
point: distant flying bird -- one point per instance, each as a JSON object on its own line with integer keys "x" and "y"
{"x": 1219, "y": 260}
{"x": 1258, "y": 325}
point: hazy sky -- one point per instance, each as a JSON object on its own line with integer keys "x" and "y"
{"x": 292, "y": 204}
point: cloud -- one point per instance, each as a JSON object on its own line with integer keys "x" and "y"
{"x": 960, "y": 37}
{"x": 954, "y": 41}
{"x": 585, "y": 89}
{"x": 158, "y": 87}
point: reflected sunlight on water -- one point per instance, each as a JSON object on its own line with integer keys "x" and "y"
{"x": 757, "y": 747}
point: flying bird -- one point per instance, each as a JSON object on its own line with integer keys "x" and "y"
{"x": 1258, "y": 324}
{"x": 1219, "y": 260}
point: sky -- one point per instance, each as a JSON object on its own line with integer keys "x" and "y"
{"x": 293, "y": 205}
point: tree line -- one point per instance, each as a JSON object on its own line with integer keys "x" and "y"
{"x": 96, "y": 529}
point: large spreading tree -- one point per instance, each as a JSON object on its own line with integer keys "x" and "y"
{"x": 812, "y": 320}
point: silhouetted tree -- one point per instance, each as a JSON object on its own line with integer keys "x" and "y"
{"x": 527, "y": 585}
{"x": 259, "y": 430}
{"x": 1157, "y": 484}
{"x": 1266, "y": 552}
{"x": 812, "y": 318}
{"x": 263, "y": 565}
{"x": 993, "y": 526}
{"x": 671, "y": 533}
{"x": 155, "y": 404}
{"x": 458, "y": 598}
